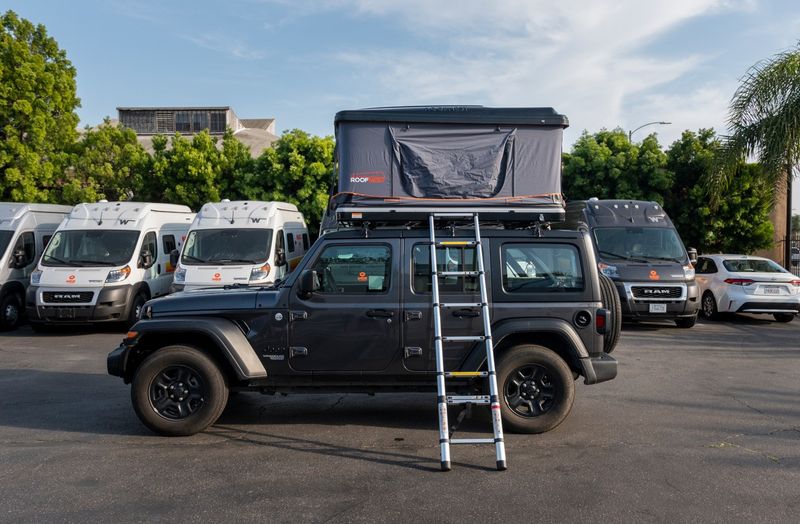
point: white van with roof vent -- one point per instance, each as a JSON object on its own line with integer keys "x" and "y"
{"x": 244, "y": 243}
{"x": 25, "y": 230}
{"x": 105, "y": 261}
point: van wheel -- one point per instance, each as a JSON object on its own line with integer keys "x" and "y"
{"x": 536, "y": 389}
{"x": 611, "y": 302}
{"x": 136, "y": 308}
{"x": 178, "y": 391}
{"x": 783, "y": 317}
{"x": 709, "y": 306}
{"x": 10, "y": 312}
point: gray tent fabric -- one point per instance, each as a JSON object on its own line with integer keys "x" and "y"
{"x": 452, "y": 163}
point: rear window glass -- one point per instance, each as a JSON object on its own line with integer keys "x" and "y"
{"x": 752, "y": 266}
{"x": 541, "y": 268}
{"x": 447, "y": 259}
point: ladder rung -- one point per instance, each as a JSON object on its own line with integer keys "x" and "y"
{"x": 456, "y": 243}
{"x": 461, "y": 304}
{"x": 472, "y": 441}
{"x": 468, "y": 399}
{"x": 460, "y": 374}
{"x": 469, "y": 338}
{"x": 458, "y": 273}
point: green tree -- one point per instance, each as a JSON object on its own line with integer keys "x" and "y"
{"x": 607, "y": 165}
{"x": 297, "y": 169}
{"x": 796, "y": 224}
{"x": 764, "y": 118}
{"x": 107, "y": 162}
{"x": 37, "y": 110}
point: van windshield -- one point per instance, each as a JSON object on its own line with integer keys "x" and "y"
{"x": 227, "y": 246}
{"x": 640, "y": 244}
{"x": 5, "y": 238}
{"x": 80, "y": 248}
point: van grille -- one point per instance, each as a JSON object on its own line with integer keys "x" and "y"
{"x": 656, "y": 292}
{"x": 67, "y": 297}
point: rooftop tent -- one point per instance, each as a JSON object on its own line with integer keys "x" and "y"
{"x": 446, "y": 156}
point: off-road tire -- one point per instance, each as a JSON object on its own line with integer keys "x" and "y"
{"x": 208, "y": 380}
{"x": 553, "y": 371}
{"x": 783, "y": 317}
{"x": 136, "y": 305}
{"x": 708, "y": 306}
{"x": 11, "y": 311}
{"x": 686, "y": 322}
{"x": 611, "y": 302}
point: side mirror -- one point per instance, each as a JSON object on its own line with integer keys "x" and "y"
{"x": 308, "y": 283}
{"x": 18, "y": 259}
{"x": 174, "y": 255}
{"x": 146, "y": 259}
{"x": 280, "y": 257}
{"x": 692, "y": 255}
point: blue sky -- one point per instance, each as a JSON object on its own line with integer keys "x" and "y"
{"x": 603, "y": 64}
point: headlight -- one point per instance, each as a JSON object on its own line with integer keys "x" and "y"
{"x": 36, "y": 276}
{"x": 688, "y": 272}
{"x": 608, "y": 270}
{"x": 260, "y": 273}
{"x": 180, "y": 274}
{"x": 118, "y": 275}
{"x": 146, "y": 312}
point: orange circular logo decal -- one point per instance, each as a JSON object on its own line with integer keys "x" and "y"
{"x": 71, "y": 279}
{"x": 362, "y": 276}
{"x": 216, "y": 276}
{"x": 654, "y": 275}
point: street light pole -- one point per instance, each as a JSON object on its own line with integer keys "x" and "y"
{"x": 630, "y": 133}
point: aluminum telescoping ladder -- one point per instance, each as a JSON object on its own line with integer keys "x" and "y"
{"x": 443, "y": 399}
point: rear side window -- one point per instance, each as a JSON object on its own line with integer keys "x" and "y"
{"x": 149, "y": 244}
{"x": 290, "y": 242}
{"x": 305, "y": 241}
{"x": 541, "y": 268}
{"x": 447, "y": 259}
{"x": 354, "y": 270}
{"x": 169, "y": 243}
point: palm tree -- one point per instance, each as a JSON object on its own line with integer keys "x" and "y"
{"x": 764, "y": 119}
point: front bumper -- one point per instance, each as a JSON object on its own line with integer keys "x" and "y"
{"x": 112, "y": 305}
{"x": 116, "y": 361}
{"x": 638, "y": 308}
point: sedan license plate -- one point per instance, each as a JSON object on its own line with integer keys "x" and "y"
{"x": 772, "y": 290}
{"x": 658, "y": 308}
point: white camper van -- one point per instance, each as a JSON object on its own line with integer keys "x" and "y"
{"x": 105, "y": 260}
{"x": 241, "y": 243}
{"x": 25, "y": 230}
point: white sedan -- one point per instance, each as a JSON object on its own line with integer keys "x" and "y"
{"x": 746, "y": 284}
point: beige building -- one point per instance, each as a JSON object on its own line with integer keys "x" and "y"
{"x": 256, "y": 133}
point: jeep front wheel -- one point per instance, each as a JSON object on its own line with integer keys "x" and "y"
{"x": 536, "y": 389}
{"x": 178, "y": 391}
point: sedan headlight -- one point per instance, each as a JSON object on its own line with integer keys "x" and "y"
{"x": 608, "y": 270}
{"x": 36, "y": 277}
{"x": 688, "y": 272}
{"x": 180, "y": 274}
{"x": 118, "y": 275}
{"x": 260, "y": 273}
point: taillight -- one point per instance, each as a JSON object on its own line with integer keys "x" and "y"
{"x": 795, "y": 283}
{"x": 601, "y": 320}
{"x": 738, "y": 281}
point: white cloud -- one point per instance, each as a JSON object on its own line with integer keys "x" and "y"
{"x": 230, "y": 46}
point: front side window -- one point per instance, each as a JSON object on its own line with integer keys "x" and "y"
{"x": 227, "y": 246}
{"x": 541, "y": 268}
{"x": 5, "y": 238}
{"x": 345, "y": 269}
{"x": 149, "y": 244}
{"x": 25, "y": 244}
{"x": 90, "y": 248}
{"x": 639, "y": 243}
{"x": 456, "y": 258}
{"x": 749, "y": 265}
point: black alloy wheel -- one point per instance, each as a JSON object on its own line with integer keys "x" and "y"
{"x": 529, "y": 392}
{"x": 177, "y": 392}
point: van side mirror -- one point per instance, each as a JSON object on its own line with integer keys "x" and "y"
{"x": 146, "y": 259}
{"x": 174, "y": 255}
{"x": 692, "y": 255}
{"x": 308, "y": 283}
{"x": 280, "y": 257}
{"x": 18, "y": 259}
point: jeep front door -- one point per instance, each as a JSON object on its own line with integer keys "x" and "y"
{"x": 352, "y": 323}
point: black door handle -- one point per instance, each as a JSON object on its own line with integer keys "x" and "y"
{"x": 380, "y": 313}
{"x": 463, "y": 313}
{"x": 413, "y": 315}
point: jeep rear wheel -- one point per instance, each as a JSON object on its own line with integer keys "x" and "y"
{"x": 536, "y": 389}
{"x": 178, "y": 391}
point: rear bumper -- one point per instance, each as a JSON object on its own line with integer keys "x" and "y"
{"x": 769, "y": 307}
{"x": 634, "y": 308}
{"x": 598, "y": 369}
{"x": 112, "y": 305}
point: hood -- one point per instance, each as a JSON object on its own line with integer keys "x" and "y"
{"x": 68, "y": 277}
{"x": 205, "y": 300}
{"x": 219, "y": 275}
{"x": 650, "y": 272}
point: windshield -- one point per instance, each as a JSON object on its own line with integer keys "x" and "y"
{"x": 641, "y": 244}
{"x": 5, "y": 238}
{"x": 745, "y": 265}
{"x": 227, "y": 246}
{"x": 90, "y": 248}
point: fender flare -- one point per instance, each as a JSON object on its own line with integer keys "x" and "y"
{"x": 13, "y": 286}
{"x": 226, "y": 335}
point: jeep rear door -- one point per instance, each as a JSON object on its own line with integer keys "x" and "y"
{"x": 352, "y": 323}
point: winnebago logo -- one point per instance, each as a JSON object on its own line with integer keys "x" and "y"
{"x": 125, "y": 221}
{"x": 374, "y": 177}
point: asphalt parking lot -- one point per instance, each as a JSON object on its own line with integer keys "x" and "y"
{"x": 701, "y": 425}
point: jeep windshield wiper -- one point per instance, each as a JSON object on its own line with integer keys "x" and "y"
{"x": 621, "y": 257}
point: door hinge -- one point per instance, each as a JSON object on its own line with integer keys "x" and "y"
{"x": 298, "y": 315}
{"x": 298, "y": 351}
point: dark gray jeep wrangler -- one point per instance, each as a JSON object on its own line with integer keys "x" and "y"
{"x": 356, "y": 316}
